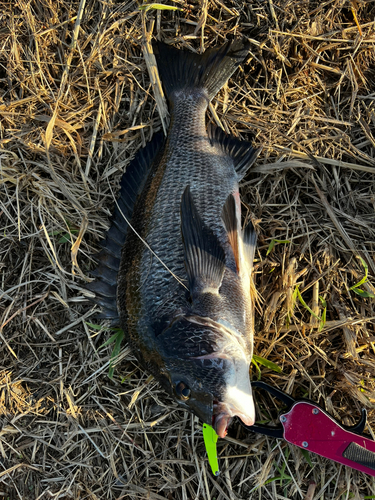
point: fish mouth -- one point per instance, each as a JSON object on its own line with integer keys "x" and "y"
{"x": 221, "y": 423}
{"x": 223, "y": 415}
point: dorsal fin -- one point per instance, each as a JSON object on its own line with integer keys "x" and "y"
{"x": 242, "y": 152}
{"x": 204, "y": 256}
{"x": 230, "y": 220}
{"x": 132, "y": 184}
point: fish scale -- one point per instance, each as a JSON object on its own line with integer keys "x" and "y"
{"x": 183, "y": 267}
{"x": 210, "y": 200}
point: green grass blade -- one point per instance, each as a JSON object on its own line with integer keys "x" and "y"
{"x": 324, "y": 314}
{"x": 112, "y": 339}
{"x": 270, "y": 247}
{"x": 101, "y": 327}
{"x": 116, "y": 351}
{"x": 273, "y": 243}
{"x": 363, "y": 293}
{"x": 267, "y": 363}
{"x": 277, "y": 478}
{"x": 64, "y": 239}
{"x": 306, "y": 454}
{"x": 116, "y": 338}
{"x": 95, "y": 327}
{"x": 364, "y": 279}
{"x": 259, "y": 373}
{"x": 323, "y": 319}
{"x": 294, "y": 297}
{"x": 305, "y": 305}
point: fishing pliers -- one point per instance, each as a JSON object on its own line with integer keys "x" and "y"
{"x": 309, "y": 426}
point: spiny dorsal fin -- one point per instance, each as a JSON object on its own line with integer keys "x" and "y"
{"x": 230, "y": 220}
{"x": 204, "y": 256}
{"x": 132, "y": 184}
{"x": 183, "y": 70}
{"x": 242, "y": 152}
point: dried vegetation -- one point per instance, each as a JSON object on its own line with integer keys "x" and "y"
{"x": 76, "y": 102}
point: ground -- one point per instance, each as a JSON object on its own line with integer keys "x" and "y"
{"x": 76, "y": 102}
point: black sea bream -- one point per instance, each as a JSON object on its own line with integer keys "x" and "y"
{"x": 175, "y": 269}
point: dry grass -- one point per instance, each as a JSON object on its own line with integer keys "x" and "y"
{"x": 76, "y": 102}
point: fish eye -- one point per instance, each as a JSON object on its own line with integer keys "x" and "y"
{"x": 182, "y": 391}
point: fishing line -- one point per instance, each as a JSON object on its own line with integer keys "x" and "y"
{"x": 145, "y": 242}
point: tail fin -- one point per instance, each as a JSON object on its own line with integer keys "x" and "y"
{"x": 181, "y": 70}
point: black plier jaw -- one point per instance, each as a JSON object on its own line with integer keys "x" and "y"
{"x": 267, "y": 430}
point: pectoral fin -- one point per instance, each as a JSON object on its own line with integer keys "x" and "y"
{"x": 249, "y": 243}
{"x": 204, "y": 256}
{"x": 243, "y": 242}
{"x": 231, "y": 223}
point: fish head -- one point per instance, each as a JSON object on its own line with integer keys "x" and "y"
{"x": 208, "y": 371}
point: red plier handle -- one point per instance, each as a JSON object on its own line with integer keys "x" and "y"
{"x": 310, "y": 427}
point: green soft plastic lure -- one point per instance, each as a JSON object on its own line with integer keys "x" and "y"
{"x": 210, "y": 439}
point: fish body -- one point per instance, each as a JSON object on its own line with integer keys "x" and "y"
{"x": 178, "y": 260}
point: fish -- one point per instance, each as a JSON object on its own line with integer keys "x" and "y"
{"x": 175, "y": 269}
